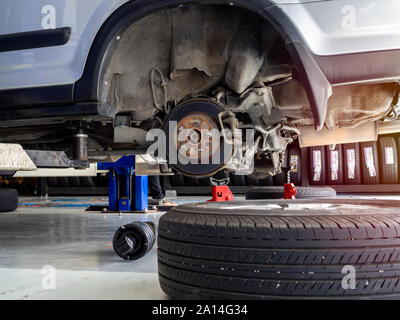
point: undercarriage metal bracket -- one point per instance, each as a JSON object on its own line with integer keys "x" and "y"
{"x": 54, "y": 159}
{"x": 50, "y": 115}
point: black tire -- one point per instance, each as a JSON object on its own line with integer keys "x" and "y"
{"x": 281, "y": 178}
{"x": 252, "y": 182}
{"x": 238, "y": 180}
{"x": 177, "y": 180}
{"x": 192, "y": 182}
{"x": 294, "y": 165}
{"x": 265, "y": 250}
{"x": 205, "y": 182}
{"x": 8, "y": 200}
{"x": 63, "y": 182}
{"x": 52, "y": 182}
{"x": 388, "y": 160}
{"x": 351, "y": 164}
{"x": 369, "y": 172}
{"x": 263, "y": 193}
{"x": 335, "y": 165}
{"x": 317, "y": 166}
{"x": 267, "y": 181}
{"x": 74, "y": 182}
{"x": 88, "y": 182}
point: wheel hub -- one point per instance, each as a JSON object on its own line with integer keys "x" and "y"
{"x": 196, "y": 140}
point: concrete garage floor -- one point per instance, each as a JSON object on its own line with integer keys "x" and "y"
{"x": 57, "y": 233}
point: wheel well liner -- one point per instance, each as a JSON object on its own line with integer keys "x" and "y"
{"x": 316, "y": 85}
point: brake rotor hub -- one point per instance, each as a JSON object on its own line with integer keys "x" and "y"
{"x": 197, "y": 140}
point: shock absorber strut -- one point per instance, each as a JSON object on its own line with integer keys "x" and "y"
{"x": 81, "y": 146}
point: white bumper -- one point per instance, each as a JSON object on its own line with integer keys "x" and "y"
{"x": 346, "y": 26}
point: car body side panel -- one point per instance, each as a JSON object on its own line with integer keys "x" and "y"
{"x": 327, "y": 28}
{"x": 307, "y": 27}
{"x": 340, "y": 27}
{"x": 53, "y": 65}
{"x": 352, "y": 41}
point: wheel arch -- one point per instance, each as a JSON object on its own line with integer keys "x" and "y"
{"x": 317, "y": 87}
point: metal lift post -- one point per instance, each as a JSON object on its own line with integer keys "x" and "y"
{"x": 126, "y": 191}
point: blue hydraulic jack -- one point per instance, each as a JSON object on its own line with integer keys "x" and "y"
{"x": 129, "y": 193}
{"x": 126, "y": 191}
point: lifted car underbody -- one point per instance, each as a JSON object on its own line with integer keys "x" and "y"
{"x": 215, "y": 57}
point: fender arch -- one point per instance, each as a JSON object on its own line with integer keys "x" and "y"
{"x": 317, "y": 87}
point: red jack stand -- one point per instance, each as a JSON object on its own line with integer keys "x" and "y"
{"x": 289, "y": 191}
{"x": 221, "y": 193}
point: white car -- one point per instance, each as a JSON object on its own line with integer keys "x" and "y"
{"x": 326, "y": 71}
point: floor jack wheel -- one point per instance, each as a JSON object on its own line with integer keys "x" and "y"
{"x": 133, "y": 241}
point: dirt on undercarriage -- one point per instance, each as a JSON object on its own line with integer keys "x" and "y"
{"x": 196, "y": 48}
